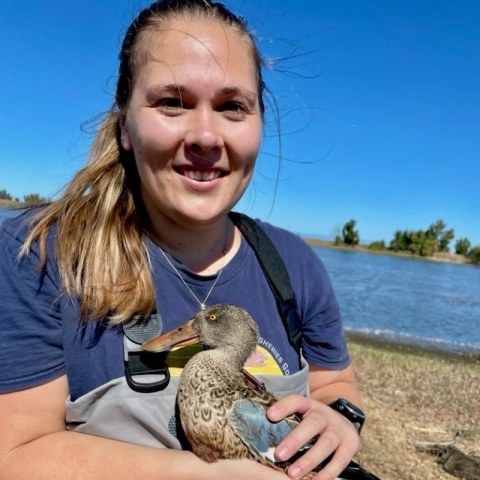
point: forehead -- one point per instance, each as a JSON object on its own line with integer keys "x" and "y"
{"x": 201, "y": 47}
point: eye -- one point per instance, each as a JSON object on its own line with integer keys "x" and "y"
{"x": 233, "y": 108}
{"x": 212, "y": 317}
{"x": 169, "y": 103}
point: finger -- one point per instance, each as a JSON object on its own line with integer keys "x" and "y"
{"x": 337, "y": 464}
{"x": 289, "y": 405}
{"x": 312, "y": 425}
{"x": 328, "y": 442}
{"x": 342, "y": 442}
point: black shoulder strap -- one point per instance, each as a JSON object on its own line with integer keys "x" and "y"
{"x": 275, "y": 271}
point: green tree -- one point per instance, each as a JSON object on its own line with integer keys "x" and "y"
{"x": 417, "y": 242}
{"x": 338, "y": 240}
{"x": 378, "y": 245}
{"x": 34, "y": 199}
{"x": 442, "y": 237}
{"x": 444, "y": 241}
{"x": 4, "y": 195}
{"x": 423, "y": 244}
{"x": 436, "y": 229}
{"x": 474, "y": 255}
{"x": 400, "y": 241}
{"x": 349, "y": 234}
{"x": 462, "y": 246}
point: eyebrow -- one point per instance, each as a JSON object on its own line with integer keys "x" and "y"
{"x": 251, "y": 96}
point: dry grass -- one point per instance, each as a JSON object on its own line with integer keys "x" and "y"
{"x": 411, "y": 395}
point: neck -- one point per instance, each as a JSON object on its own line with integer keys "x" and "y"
{"x": 202, "y": 250}
{"x": 230, "y": 359}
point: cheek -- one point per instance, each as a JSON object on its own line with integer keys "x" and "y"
{"x": 157, "y": 143}
{"x": 248, "y": 143}
{"x": 147, "y": 129}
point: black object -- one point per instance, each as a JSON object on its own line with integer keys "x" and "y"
{"x": 146, "y": 363}
{"x": 276, "y": 273}
{"x": 139, "y": 330}
{"x": 350, "y": 412}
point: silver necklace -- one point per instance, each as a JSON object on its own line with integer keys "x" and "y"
{"x": 203, "y": 305}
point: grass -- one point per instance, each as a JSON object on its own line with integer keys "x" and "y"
{"x": 414, "y": 395}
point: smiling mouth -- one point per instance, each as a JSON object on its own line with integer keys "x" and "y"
{"x": 200, "y": 175}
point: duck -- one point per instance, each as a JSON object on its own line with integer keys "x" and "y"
{"x": 222, "y": 408}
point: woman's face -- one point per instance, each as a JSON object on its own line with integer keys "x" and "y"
{"x": 193, "y": 122}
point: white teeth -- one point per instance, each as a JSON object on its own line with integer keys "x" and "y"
{"x": 201, "y": 176}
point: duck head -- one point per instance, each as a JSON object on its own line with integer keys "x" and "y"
{"x": 219, "y": 326}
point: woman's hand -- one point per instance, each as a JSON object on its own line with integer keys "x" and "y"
{"x": 337, "y": 436}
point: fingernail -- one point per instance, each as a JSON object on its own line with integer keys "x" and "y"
{"x": 272, "y": 412}
{"x": 295, "y": 472}
{"x": 281, "y": 453}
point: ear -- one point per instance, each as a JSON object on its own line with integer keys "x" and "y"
{"x": 124, "y": 134}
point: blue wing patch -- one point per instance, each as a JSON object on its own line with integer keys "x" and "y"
{"x": 249, "y": 420}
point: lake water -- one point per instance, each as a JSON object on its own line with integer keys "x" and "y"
{"x": 401, "y": 299}
{"x": 407, "y": 300}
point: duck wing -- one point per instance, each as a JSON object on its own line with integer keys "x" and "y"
{"x": 249, "y": 420}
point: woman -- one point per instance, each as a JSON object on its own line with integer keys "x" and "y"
{"x": 144, "y": 230}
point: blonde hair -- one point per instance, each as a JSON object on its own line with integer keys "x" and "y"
{"x": 100, "y": 219}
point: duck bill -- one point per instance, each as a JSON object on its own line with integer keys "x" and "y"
{"x": 184, "y": 335}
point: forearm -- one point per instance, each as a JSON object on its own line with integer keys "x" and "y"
{"x": 331, "y": 392}
{"x": 327, "y": 386}
{"x": 71, "y": 455}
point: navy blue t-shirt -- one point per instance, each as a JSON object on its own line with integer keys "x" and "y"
{"x": 41, "y": 337}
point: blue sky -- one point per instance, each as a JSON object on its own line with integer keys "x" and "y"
{"x": 380, "y": 107}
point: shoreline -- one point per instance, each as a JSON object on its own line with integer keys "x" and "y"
{"x": 412, "y": 349}
{"x": 438, "y": 257}
{"x": 11, "y": 204}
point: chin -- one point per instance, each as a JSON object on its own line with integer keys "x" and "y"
{"x": 197, "y": 219}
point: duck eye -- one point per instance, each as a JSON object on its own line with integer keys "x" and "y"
{"x": 212, "y": 317}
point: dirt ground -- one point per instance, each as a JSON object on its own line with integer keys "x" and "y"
{"x": 414, "y": 395}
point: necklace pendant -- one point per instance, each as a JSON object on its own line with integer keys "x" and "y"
{"x": 203, "y": 306}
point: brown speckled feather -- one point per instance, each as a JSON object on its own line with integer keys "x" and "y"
{"x": 205, "y": 398}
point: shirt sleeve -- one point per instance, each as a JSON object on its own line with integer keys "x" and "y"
{"x": 31, "y": 346}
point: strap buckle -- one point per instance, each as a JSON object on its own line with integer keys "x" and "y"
{"x": 145, "y": 363}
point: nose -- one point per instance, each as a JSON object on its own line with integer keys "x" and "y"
{"x": 204, "y": 131}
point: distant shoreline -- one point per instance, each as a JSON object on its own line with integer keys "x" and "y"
{"x": 313, "y": 242}
{"x": 442, "y": 257}
{"x": 11, "y": 204}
